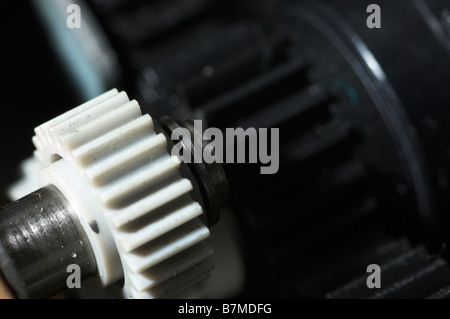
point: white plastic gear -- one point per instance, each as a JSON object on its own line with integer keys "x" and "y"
{"x": 116, "y": 172}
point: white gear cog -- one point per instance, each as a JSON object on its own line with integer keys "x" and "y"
{"x": 136, "y": 208}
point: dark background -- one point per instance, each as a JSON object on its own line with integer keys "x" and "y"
{"x": 34, "y": 89}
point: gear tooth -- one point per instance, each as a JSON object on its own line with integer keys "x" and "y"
{"x": 166, "y": 246}
{"x": 38, "y": 133}
{"x": 43, "y": 129}
{"x": 81, "y": 108}
{"x": 149, "y": 203}
{"x": 141, "y": 283}
{"x": 44, "y": 151}
{"x": 169, "y": 220}
{"x": 73, "y": 123}
{"x": 178, "y": 283}
{"x": 38, "y": 156}
{"x": 133, "y": 183}
{"x": 140, "y": 153}
{"x": 146, "y": 203}
{"x": 37, "y": 142}
{"x": 113, "y": 141}
{"x": 171, "y": 267}
{"x": 102, "y": 125}
{"x": 48, "y": 135}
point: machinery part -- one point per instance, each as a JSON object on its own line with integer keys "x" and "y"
{"x": 407, "y": 272}
{"x": 363, "y": 125}
{"x": 210, "y": 178}
{"x": 126, "y": 190}
{"x": 352, "y": 132}
{"x": 299, "y": 74}
{"x": 40, "y": 236}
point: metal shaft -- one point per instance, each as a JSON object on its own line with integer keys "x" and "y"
{"x": 40, "y": 236}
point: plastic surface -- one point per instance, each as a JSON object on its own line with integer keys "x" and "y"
{"x": 116, "y": 172}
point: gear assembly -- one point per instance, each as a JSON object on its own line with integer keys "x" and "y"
{"x": 350, "y": 123}
{"x": 131, "y": 219}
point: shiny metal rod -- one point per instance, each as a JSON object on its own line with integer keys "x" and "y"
{"x": 40, "y": 236}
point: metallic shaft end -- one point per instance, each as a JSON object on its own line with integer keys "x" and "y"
{"x": 40, "y": 236}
